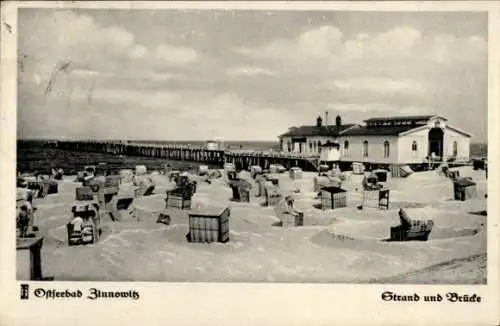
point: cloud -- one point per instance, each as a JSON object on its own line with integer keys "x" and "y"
{"x": 325, "y": 48}
{"x": 244, "y": 82}
{"x": 139, "y": 51}
{"x": 250, "y": 71}
{"x": 175, "y": 55}
{"x": 381, "y": 85}
{"x": 51, "y": 36}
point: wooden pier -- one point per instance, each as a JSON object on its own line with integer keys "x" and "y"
{"x": 242, "y": 159}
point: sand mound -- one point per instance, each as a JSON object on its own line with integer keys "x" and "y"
{"x": 469, "y": 270}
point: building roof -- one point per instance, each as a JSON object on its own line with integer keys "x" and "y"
{"x": 377, "y": 131}
{"x": 375, "y": 126}
{"x": 303, "y": 131}
{"x": 406, "y": 118}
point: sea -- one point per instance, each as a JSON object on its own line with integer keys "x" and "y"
{"x": 32, "y": 156}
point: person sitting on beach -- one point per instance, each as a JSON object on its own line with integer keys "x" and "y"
{"x": 370, "y": 182}
{"x": 77, "y": 223}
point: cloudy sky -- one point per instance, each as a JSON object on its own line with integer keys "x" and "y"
{"x": 243, "y": 75}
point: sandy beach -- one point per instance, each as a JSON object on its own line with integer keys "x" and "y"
{"x": 344, "y": 245}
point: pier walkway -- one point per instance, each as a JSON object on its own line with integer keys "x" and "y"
{"x": 242, "y": 159}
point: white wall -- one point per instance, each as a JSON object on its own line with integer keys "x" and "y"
{"x": 463, "y": 144}
{"x": 330, "y": 154}
{"x": 405, "y": 152}
{"x": 406, "y": 155}
{"x": 375, "y": 149}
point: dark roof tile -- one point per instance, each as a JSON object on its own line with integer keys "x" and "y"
{"x": 377, "y": 131}
{"x": 303, "y": 131}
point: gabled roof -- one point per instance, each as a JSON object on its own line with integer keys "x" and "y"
{"x": 460, "y": 131}
{"x": 303, "y": 131}
{"x": 447, "y": 127}
{"x": 376, "y": 131}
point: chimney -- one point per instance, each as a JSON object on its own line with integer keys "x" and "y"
{"x": 338, "y": 121}
{"x": 326, "y": 118}
{"x": 319, "y": 121}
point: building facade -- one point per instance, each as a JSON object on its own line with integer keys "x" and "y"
{"x": 385, "y": 140}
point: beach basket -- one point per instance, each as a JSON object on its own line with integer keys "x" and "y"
{"x": 261, "y": 184}
{"x": 89, "y": 212}
{"x": 411, "y": 229}
{"x": 241, "y": 190}
{"x": 324, "y": 181}
{"x": 276, "y": 168}
{"x": 382, "y": 175}
{"x": 84, "y": 193}
{"x": 121, "y": 207}
{"x": 255, "y": 170}
{"x": 405, "y": 171}
{"x": 101, "y": 169}
{"x": 112, "y": 181}
{"x": 89, "y": 169}
{"x": 479, "y": 164}
{"x": 296, "y": 173}
{"x": 463, "y": 189}
{"x": 126, "y": 176}
{"x": 378, "y": 198}
{"x": 229, "y": 167}
{"x": 454, "y": 175}
{"x": 179, "y": 197}
{"x": 358, "y": 168}
{"x": 288, "y": 216}
{"x": 209, "y": 224}
{"x": 273, "y": 194}
{"x": 323, "y": 168}
{"x": 140, "y": 170}
{"x": 333, "y": 197}
{"x": 203, "y": 170}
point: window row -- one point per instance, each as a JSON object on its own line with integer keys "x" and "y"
{"x": 315, "y": 146}
{"x": 387, "y": 148}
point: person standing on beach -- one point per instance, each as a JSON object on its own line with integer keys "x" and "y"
{"x": 24, "y": 218}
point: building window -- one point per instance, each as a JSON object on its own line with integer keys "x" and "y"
{"x": 365, "y": 148}
{"x": 319, "y": 146}
{"x": 414, "y": 146}
{"x": 310, "y": 146}
{"x": 346, "y": 145}
{"x": 289, "y": 143}
{"x": 387, "y": 149}
{"x": 455, "y": 148}
{"x": 414, "y": 149}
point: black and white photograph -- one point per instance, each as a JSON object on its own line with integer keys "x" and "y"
{"x": 251, "y": 145}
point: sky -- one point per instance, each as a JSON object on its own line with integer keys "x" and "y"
{"x": 243, "y": 75}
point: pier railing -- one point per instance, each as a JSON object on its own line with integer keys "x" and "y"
{"x": 241, "y": 158}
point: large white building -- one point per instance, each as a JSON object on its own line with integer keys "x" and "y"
{"x": 385, "y": 140}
